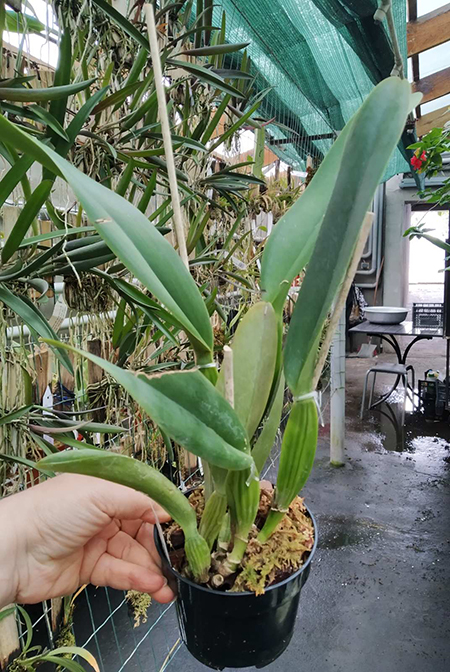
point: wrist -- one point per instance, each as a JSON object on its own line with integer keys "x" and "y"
{"x": 9, "y": 552}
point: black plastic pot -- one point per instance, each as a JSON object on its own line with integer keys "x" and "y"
{"x": 237, "y": 629}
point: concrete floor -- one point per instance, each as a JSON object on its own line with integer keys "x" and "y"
{"x": 378, "y": 597}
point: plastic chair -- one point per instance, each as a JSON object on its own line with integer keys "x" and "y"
{"x": 399, "y": 370}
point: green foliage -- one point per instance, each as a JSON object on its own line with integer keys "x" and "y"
{"x": 373, "y": 134}
{"x": 106, "y": 143}
{"x": 427, "y": 159}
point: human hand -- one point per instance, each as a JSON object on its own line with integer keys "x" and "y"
{"x": 72, "y": 530}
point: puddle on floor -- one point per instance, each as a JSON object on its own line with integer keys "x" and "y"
{"x": 422, "y": 438}
{"x": 341, "y": 531}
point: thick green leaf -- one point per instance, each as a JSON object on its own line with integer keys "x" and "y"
{"x": 36, "y": 263}
{"x": 289, "y": 246}
{"x": 29, "y": 212}
{"x": 126, "y": 471}
{"x": 264, "y": 443}
{"x": 216, "y": 49}
{"x": 48, "y": 119}
{"x": 116, "y": 98}
{"x": 58, "y": 107}
{"x": 123, "y": 23}
{"x": 34, "y": 320}
{"x": 77, "y": 266}
{"x": 254, "y": 355}
{"x": 64, "y": 424}
{"x": 15, "y": 415}
{"x": 237, "y": 124}
{"x": 38, "y": 95}
{"x": 151, "y": 258}
{"x": 215, "y": 120}
{"x": 13, "y": 176}
{"x": 36, "y": 113}
{"x": 78, "y": 121}
{"x": 188, "y": 408}
{"x": 205, "y": 75}
{"x": 169, "y": 7}
{"x": 24, "y": 461}
{"x": 93, "y": 250}
{"x": 62, "y": 233}
{"x": 77, "y": 651}
{"x": 232, "y": 74}
{"x": 60, "y": 662}
{"x": 46, "y": 447}
{"x": 28, "y": 628}
{"x": 22, "y": 23}
{"x": 373, "y": 136}
{"x": 16, "y": 81}
{"x": 7, "y": 612}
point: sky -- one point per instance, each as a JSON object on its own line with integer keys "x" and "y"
{"x": 426, "y": 261}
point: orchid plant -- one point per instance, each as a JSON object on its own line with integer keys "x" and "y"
{"x": 229, "y": 418}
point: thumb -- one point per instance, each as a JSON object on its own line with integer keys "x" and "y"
{"x": 116, "y": 501}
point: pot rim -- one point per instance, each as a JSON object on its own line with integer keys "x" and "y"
{"x": 246, "y": 592}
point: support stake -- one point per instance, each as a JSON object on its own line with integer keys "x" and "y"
{"x": 228, "y": 373}
{"x": 337, "y": 395}
{"x": 167, "y": 138}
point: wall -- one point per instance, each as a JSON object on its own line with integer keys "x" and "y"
{"x": 396, "y": 247}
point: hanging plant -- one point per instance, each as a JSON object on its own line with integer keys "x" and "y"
{"x": 88, "y": 293}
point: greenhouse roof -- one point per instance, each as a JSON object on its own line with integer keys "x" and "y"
{"x": 322, "y": 58}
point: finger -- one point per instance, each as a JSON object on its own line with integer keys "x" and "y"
{"x": 114, "y": 500}
{"x": 131, "y": 550}
{"x": 164, "y": 595}
{"x": 124, "y": 547}
{"x": 123, "y": 575}
{"x": 131, "y": 527}
{"x": 156, "y": 513}
{"x": 145, "y": 538}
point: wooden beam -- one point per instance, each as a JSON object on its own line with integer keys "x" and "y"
{"x": 434, "y": 86}
{"x": 435, "y": 119}
{"x": 429, "y": 30}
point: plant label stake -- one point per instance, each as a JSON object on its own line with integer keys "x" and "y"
{"x": 165, "y": 128}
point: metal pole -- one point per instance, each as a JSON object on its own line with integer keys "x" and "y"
{"x": 337, "y": 395}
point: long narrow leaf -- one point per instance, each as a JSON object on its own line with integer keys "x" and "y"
{"x": 38, "y": 95}
{"x": 13, "y": 176}
{"x": 188, "y": 408}
{"x": 215, "y": 49}
{"x": 373, "y": 136}
{"x": 77, "y": 651}
{"x": 123, "y": 23}
{"x": 29, "y": 212}
{"x": 205, "y": 75}
{"x": 34, "y": 321}
{"x": 151, "y": 259}
{"x": 51, "y": 235}
{"x": 15, "y": 415}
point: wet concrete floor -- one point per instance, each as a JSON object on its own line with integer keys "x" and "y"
{"x": 378, "y": 596}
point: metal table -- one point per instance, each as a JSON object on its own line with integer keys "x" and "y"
{"x": 390, "y": 333}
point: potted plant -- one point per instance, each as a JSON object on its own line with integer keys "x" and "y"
{"x": 229, "y": 419}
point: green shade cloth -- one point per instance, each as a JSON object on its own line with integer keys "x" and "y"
{"x": 322, "y": 58}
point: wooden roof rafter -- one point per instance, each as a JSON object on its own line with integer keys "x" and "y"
{"x": 423, "y": 33}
